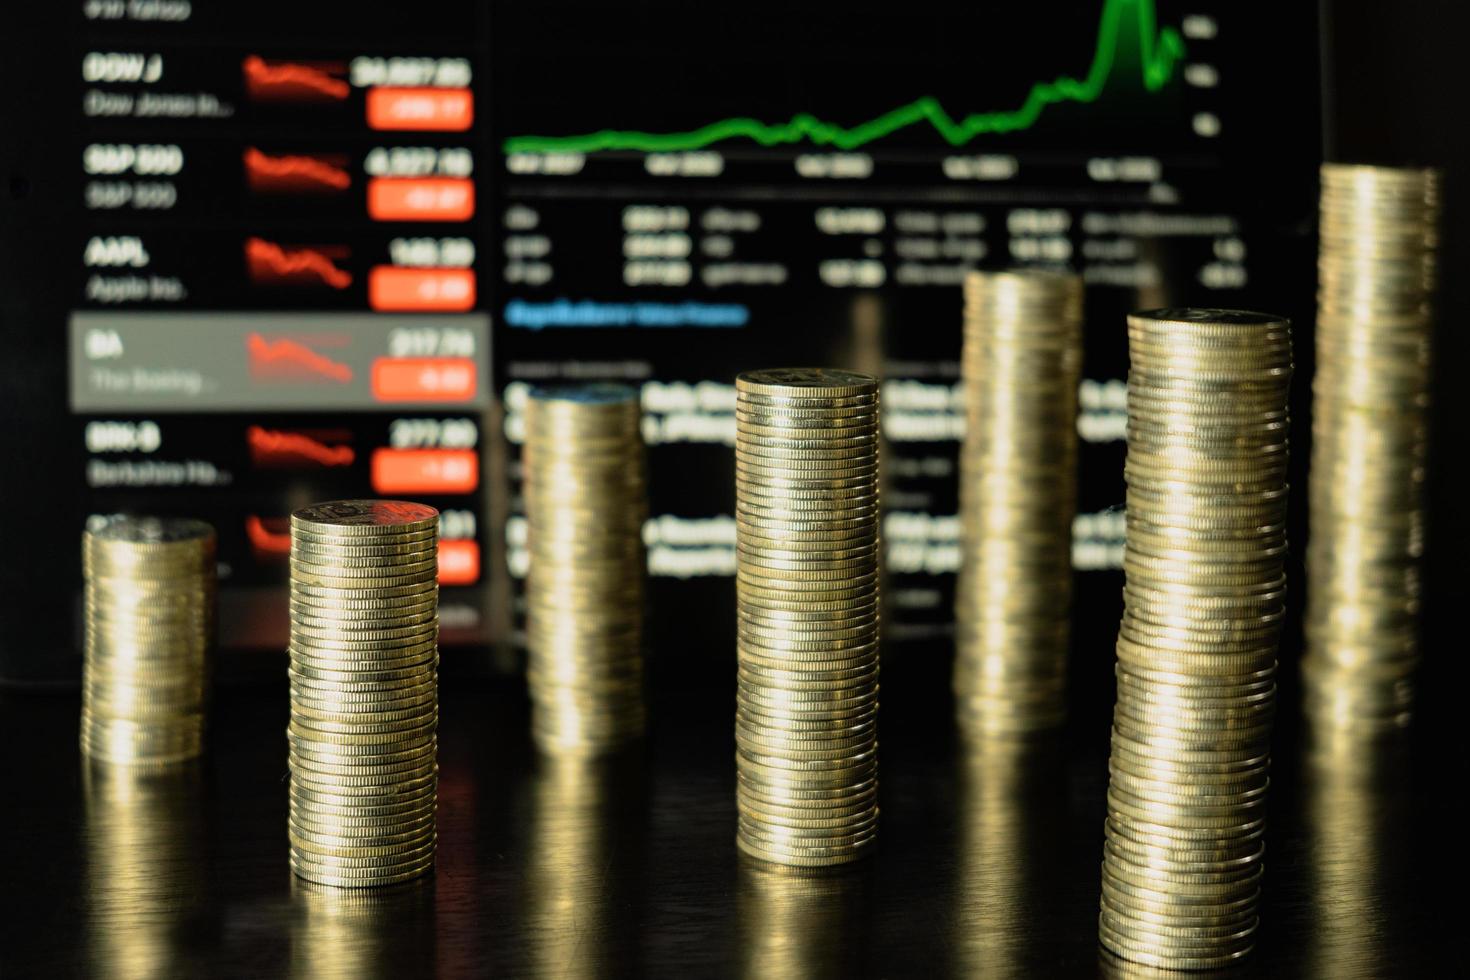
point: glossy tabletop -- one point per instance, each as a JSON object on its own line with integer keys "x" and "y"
{"x": 988, "y": 864}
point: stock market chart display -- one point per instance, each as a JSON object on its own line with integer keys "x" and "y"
{"x": 275, "y": 253}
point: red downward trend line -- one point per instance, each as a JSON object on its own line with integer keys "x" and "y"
{"x": 264, "y": 540}
{"x": 284, "y": 356}
{"x": 288, "y": 78}
{"x": 270, "y": 445}
{"x": 269, "y": 261}
{"x": 289, "y": 170}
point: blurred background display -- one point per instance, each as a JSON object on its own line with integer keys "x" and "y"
{"x": 273, "y": 253}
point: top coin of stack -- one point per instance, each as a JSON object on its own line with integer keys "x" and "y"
{"x": 806, "y": 515}
{"x": 1204, "y": 596}
{"x": 149, "y": 619}
{"x": 586, "y": 501}
{"x": 364, "y": 691}
{"x": 1018, "y": 494}
{"x": 1370, "y": 395}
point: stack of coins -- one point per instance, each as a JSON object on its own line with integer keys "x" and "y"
{"x": 364, "y": 691}
{"x": 806, "y": 513}
{"x": 1203, "y": 602}
{"x": 586, "y": 500}
{"x": 1370, "y": 395}
{"x": 1018, "y": 494}
{"x": 149, "y": 623}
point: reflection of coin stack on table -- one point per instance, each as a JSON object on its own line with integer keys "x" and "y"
{"x": 1370, "y": 395}
{"x": 146, "y": 874}
{"x": 1018, "y": 493}
{"x": 354, "y": 933}
{"x": 364, "y": 691}
{"x": 1203, "y": 601}
{"x": 149, "y": 615}
{"x": 802, "y": 922}
{"x": 584, "y": 862}
{"x": 806, "y": 512}
{"x": 1360, "y": 854}
{"x": 586, "y": 501}
{"x": 1011, "y": 798}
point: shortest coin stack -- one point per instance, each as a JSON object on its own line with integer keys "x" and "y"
{"x": 364, "y": 691}
{"x": 586, "y": 500}
{"x": 149, "y": 622}
{"x": 806, "y": 515}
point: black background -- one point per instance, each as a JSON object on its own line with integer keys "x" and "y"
{"x": 552, "y": 68}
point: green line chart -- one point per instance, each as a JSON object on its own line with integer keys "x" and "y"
{"x": 1160, "y": 50}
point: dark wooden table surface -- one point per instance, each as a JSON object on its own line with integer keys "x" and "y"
{"x": 988, "y": 863}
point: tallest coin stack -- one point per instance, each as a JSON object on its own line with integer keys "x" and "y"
{"x": 1203, "y": 599}
{"x": 806, "y": 512}
{"x": 364, "y": 691}
{"x": 1370, "y": 396}
{"x": 149, "y": 619}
